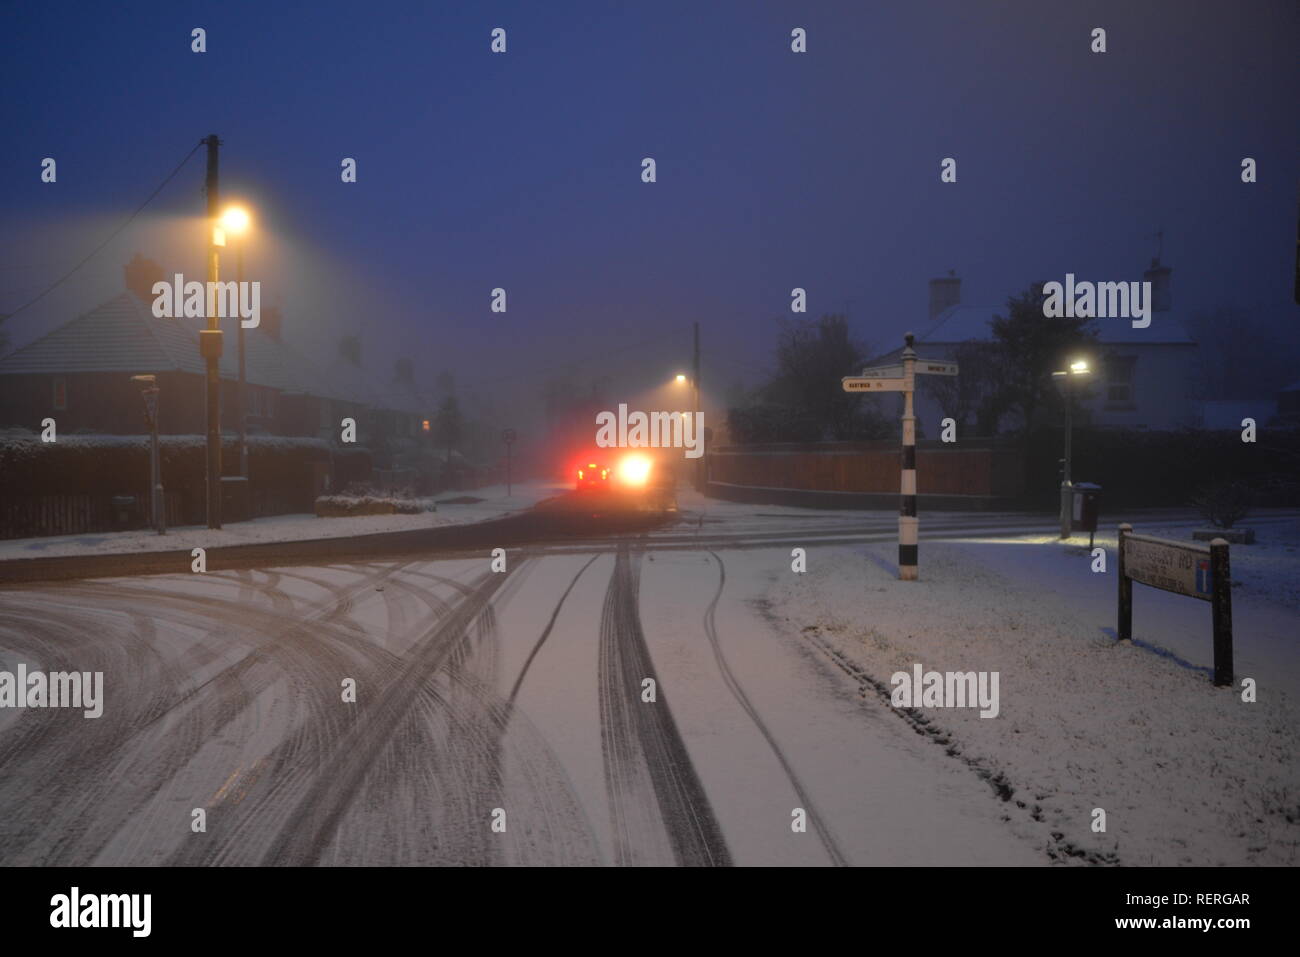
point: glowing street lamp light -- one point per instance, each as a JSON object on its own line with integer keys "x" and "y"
{"x": 681, "y": 378}
{"x": 235, "y": 222}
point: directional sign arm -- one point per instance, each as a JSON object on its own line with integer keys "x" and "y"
{"x": 863, "y": 384}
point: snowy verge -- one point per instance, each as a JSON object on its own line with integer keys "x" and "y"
{"x": 287, "y": 528}
{"x": 1187, "y": 773}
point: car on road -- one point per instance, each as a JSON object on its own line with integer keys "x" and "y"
{"x": 629, "y": 479}
{"x": 593, "y": 475}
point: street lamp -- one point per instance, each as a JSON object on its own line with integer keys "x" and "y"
{"x": 149, "y": 390}
{"x": 1078, "y": 367}
{"x": 681, "y": 378}
{"x": 234, "y": 223}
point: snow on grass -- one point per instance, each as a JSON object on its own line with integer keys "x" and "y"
{"x": 283, "y": 528}
{"x": 1186, "y": 773}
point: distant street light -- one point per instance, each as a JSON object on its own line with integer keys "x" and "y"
{"x": 235, "y": 222}
{"x": 1078, "y": 367}
{"x": 681, "y": 379}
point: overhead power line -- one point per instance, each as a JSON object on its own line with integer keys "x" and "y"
{"x": 111, "y": 236}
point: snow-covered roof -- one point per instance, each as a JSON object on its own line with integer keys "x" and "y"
{"x": 965, "y": 323}
{"x": 119, "y": 336}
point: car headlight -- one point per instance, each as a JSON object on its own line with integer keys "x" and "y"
{"x": 634, "y": 470}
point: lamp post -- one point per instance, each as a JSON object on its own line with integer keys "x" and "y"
{"x": 149, "y": 390}
{"x": 693, "y": 380}
{"x": 210, "y": 344}
{"x": 1078, "y": 367}
{"x": 234, "y": 223}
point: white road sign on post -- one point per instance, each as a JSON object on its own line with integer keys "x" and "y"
{"x": 883, "y": 372}
{"x": 933, "y": 367}
{"x": 851, "y": 383}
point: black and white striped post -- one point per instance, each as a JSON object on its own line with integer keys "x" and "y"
{"x": 902, "y": 378}
{"x": 908, "y": 523}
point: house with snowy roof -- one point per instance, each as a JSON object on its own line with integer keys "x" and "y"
{"x": 79, "y": 374}
{"x": 1143, "y": 378}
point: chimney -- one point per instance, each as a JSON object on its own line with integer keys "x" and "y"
{"x": 272, "y": 321}
{"x": 350, "y": 349}
{"x": 140, "y": 275}
{"x": 1158, "y": 276}
{"x": 944, "y": 293}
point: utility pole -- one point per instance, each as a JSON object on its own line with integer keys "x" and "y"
{"x": 242, "y": 388}
{"x": 210, "y": 346}
{"x": 695, "y": 385}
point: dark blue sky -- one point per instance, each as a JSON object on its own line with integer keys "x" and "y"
{"x": 775, "y": 170}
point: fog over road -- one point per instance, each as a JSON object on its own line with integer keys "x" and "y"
{"x": 477, "y": 691}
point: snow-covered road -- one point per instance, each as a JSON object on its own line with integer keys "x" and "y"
{"x": 505, "y": 717}
{"x": 476, "y": 691}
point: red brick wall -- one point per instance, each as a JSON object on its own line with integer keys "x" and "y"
{"x": 981, "y": 470}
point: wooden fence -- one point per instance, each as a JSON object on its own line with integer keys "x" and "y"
{"x": 29, "y": 516}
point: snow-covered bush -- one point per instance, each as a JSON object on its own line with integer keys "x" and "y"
{"x": 336, "y": 506}
{"x": 1223, "y": 504}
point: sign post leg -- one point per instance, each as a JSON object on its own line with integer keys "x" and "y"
{"x": 1221, "y": 603}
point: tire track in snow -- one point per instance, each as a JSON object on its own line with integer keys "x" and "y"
{"x": 654, "y": 792}
{"x": 711, "y": 630}
{"x": 143, "y": 756}
{"x": 340, "y": 774}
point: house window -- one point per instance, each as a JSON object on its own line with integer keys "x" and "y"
{"x": 1119, "y": 381}
{"x": 60, "y": 393}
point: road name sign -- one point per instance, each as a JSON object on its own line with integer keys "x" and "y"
{"x": 852, "y": 383}
{"x": 1179, "y": 567}
{"x": 1197, "y": 571}
{"x": 935, "y": 367}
